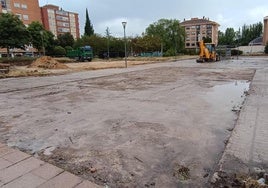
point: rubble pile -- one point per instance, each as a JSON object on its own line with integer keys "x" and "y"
{"x": 47, "y": 62}
{"x": 257, "y": 179}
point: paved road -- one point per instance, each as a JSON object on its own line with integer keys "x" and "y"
{"x": 248, "y": 145}
{"x": 155, "y": 125}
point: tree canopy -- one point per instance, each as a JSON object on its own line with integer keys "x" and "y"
{"x": 39, "y": 36}
{"x": 170, "y": 33}
{"x": 248, "y": 33}
{"x": 13, "y": 33}
{"x": 88, "y": 26}
{"x": 65, "y": 39}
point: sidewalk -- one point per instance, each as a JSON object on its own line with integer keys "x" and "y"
{"x": 248, "y": 146}
{"x": 18, "y": 169}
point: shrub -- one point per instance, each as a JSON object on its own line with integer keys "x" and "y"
{"x": 236, "y": 52}
{"x": 170, "y": 52}
{"x": 59, "y": 51}
{"x": 68, "y": 48}
{"x": 266, "y": 49}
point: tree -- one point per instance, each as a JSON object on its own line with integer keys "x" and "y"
{"x": 88, "y": 26}
{"x": 169, "y": 31}
{"x": 13, "y": 33}
{"x": 230, "y": 36}
{"x": 250, "y": 32}
{"x": 65, "y": 39}
{"x": 51, "y": 43}
{"x": 221, "y": 36}
{"x": 146, "y": 43}
{"x": 39, "y": 36}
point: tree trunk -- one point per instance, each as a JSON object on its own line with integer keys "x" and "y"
{"x": 8, "y": 52}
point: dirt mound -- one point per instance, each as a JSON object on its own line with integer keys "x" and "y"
{"x": 47, "y": 62}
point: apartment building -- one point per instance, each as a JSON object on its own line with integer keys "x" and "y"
{"x": 27, "y": 10}
{"x": 59, "y": 21}
{"x": 265, "y": 30}
{"x": 196, "y": 29}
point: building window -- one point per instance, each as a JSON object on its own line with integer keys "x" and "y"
{"x": 63, "y": 24}
{"x": 25, "y": 17}
{"x": 187, "y": 44}
{"x": 60, "y": 12}
{"x": 16, "y": 5}
{"x": 209, "y": 26}
{"x": 23, "y": 6}
{"x": 64, "y": 30}
{"x": 3, "y": 4}
{"x": 62, "y": 18}
{"x": 19, "y": 16}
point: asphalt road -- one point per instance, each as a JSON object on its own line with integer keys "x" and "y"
{"x": 158, "y": 125}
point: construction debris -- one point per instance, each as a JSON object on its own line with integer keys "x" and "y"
{"x": 47, "y": 62}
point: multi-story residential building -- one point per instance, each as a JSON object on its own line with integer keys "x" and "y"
{"x": 59, "y": 21}
{"x": 196, "y": 29}
{"x": 265, "y": 30}
{"x": 27, "y": 10}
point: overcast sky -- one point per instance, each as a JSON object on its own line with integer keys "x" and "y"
{"x": 140, "y": 13}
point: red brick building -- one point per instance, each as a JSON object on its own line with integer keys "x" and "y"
{"x": 59, "y": 21}
{"x": 27, "y": 10}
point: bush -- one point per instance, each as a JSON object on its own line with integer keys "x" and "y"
{"x": 236, "y": 52}
{"x": 19, "y": 61}
{"x": 68, "y": 48}
{"x": 59, "y": 51}
{"x": 266, "y": 49}
{"x": 170, "y": 52}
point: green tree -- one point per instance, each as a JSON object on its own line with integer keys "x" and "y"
{"x": 65, "y": 39}
{"x": 230, "y": 35}
{"x": 51, "y": 43}
{"x": 250, "y": 32}
{"x": 221, "y": 36}
{"x": 39, "y": 36}
{"x": 88, "y": 26}
{"x": 146, "y": 43}
{"x": 169, "y": 31}
{"x": 13, "y": 33}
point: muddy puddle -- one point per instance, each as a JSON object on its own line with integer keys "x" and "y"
{"x": 229, "y": 95}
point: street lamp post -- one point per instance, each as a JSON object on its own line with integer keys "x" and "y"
{"x": 124, "y": 26}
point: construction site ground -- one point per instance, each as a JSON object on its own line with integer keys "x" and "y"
{"x": 169, "y": 124}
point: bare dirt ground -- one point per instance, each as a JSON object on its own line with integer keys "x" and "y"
{"x": 49, "y": 66}
{"x": 156, "y": 125}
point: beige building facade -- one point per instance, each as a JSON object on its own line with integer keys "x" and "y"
{"x": 59, "y": 21}
{"x": 196, "y": 29}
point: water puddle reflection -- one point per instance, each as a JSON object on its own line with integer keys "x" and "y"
{"x": 230, "y": 95}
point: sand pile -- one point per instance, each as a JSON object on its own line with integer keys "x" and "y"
{"x": 47, "y": 62}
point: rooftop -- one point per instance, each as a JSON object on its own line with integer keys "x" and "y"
{"x": 197, "y": 21}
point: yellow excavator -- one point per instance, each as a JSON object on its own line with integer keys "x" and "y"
{"x": 207, "y": 52}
